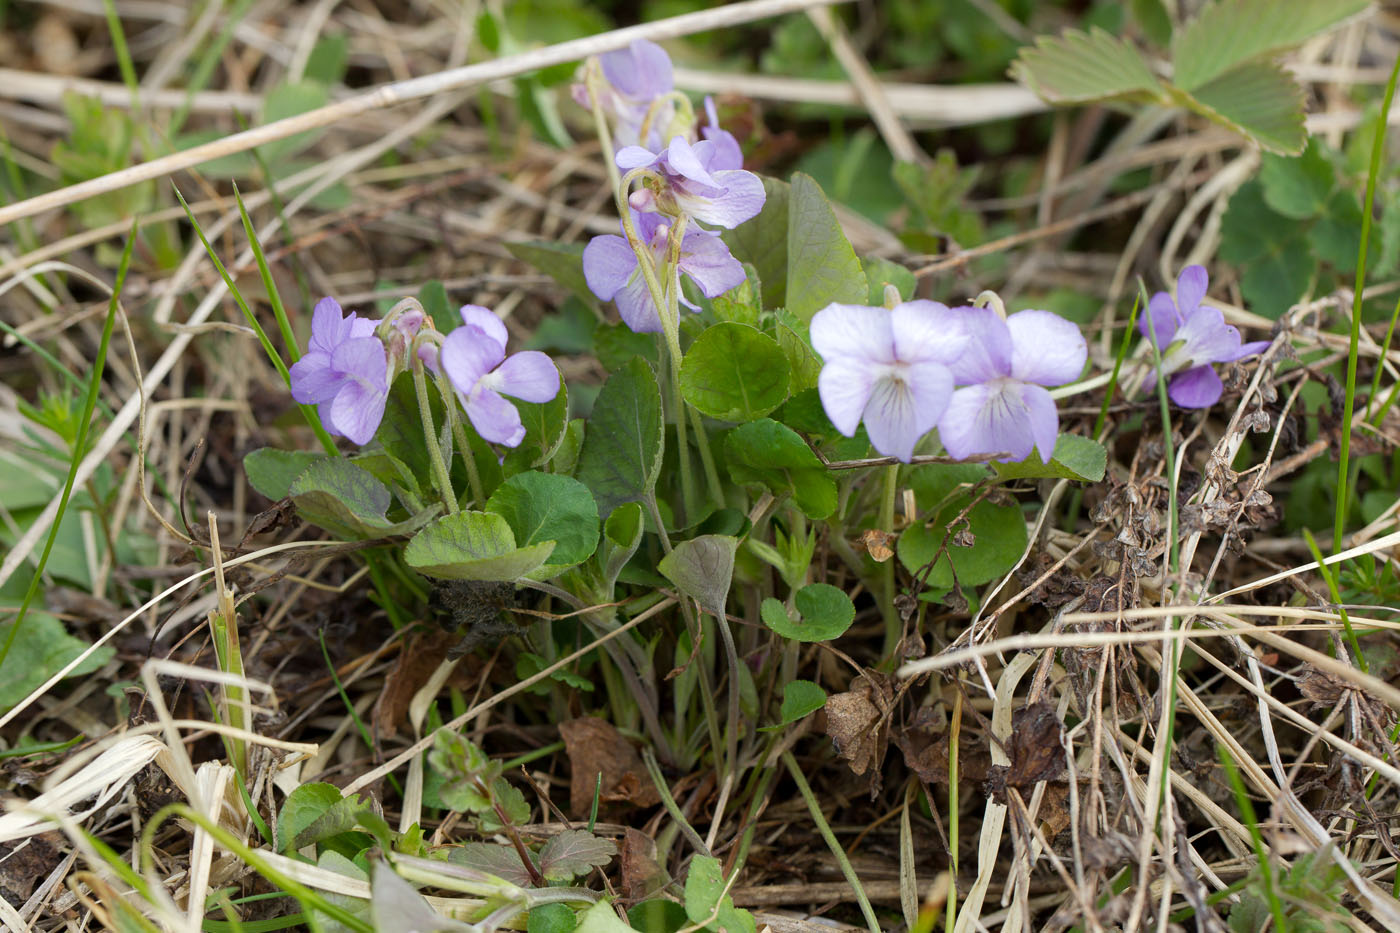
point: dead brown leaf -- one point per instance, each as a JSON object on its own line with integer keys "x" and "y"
{"x": 641, "y": 875}
{"x": 857, "y": 721}
{"x": 595, "y": 747}
{"x": 416, "y": 663}
{"x": 1034, "y": 748}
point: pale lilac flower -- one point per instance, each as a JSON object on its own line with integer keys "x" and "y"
{"x": 611, "y": 269}
{"x": 344, "y": 372}
{"x": 635, "y": 78}
{"x": 474, "y": 358}
{"x": 1190, "y": 337}
{"x": 701, "y": 179}
{"x": 887, "y": 368}
{"x": 1003, "y": 407}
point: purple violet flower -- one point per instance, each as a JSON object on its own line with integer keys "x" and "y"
{"x": 728, "y": 155}
{"x": 1190, "y": 337}
{"x": 610, "y": 267}
{"x": 636, "y": 77}
{"x": 702, "y": 179}
{"x": 474, "y": 358}
{"x": 1004, "y": 407}
{"x": 888, "y": 368}
{"x": 344, "y": 372}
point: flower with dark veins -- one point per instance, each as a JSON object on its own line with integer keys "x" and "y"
{"x": 1003, "y": 407}
{"x": 887, "y": 368}
{"x": 1191, "y": 337}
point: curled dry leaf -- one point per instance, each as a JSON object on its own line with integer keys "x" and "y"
{"x": 595, "y": 747}
{"x": 857, "y": 722}
{"x": 1034, "y": 748}
{"x": 878, "y": 544}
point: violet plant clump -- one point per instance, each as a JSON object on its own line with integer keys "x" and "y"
{"x": 1190, "y": 337}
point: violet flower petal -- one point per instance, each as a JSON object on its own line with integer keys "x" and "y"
{"x": 494, "y": 418}
{"x": 991, "y": 417}
{"x": 845, "y": 385}
{"x": 903, "y": 409}
{"x": 363, "y": 360}
{"x": 529, "y": 375}
{"x": 357, "y": 411}
{"x": 708, "y": 262}
{"x": 326, "y": 325}
{"x": 988, "y": 352}
{"x": 1198, "y": 387}
{"x": 687, "y": 162}
{"x": 1045, "y": 348}
{"x": 608, "y": 263}
{"x": 1044, "y": 420}
{"x": 742, "y": 198}
{"x": 1206, "y": 338}
{"x": 856, "y": 331}
{"x": 313, "y": 379}
{"x": 1249, "y": 349}
{"x": 630, "y": 157}
{"x": 1161, "y": 316}
{"x": 485, "y": 319}
{"x": 1191, "y": 287}
{"x": 927, "y": 331}
{"x": 467, "y": 355}
{"x": 641, "y": 71}
{"x": 635, "y": 306}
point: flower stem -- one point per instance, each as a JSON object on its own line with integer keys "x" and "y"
{"x": 459, "y": 434}
{"x": 440, "y": 474}
{"x": 670, "y": 328}
{"x": 894, "y": 626}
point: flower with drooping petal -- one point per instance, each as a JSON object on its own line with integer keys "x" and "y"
{"x": 700, "y": 181}
{"x": 635, "y": 78}
{"x": 1003, "y": 406}
{"x": 1190, "y": 337}
{"x": 474, "y": 358}
{"x": 344, "y": 372}
{"x": 611, "y": 269}
{"x": 888, "y": 369}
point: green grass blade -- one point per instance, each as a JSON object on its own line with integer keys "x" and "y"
{"x": 1330, "y": 577}
{"x": 1251, "y": 822}
{"x": 124, "y": 63}
{"x": 1368, "y": 206}
{"x": 312, "y": 418}
{"x": 273, "y": 296}
{"x": 79, "y": 445}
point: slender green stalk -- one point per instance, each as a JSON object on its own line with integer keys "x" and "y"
{"x": 459, "y": 434}
{"x": 1118, "y": 364}
{"x": 1380, "y": 367}
{"x": 308, "y": 411}
{"x": 79, "y": 444}
{"x": 430, "y": 438}
{"x": 360, "y": 726}
{"x": 1368, "y": 204}
{"x": 1172, "y": 655}
{"x": 669, "y": 803}
{"x": 269, "y": 283}
{"x": 894, "y": 626}
{"x": 814, "y": 807}
{"x": 1251, "y": 821}
{"x": 1331, "y": 579}
{"x": 123, "y": 53}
